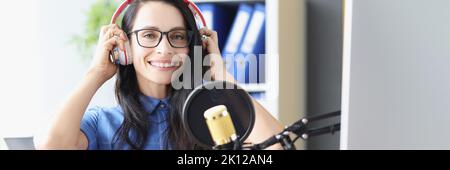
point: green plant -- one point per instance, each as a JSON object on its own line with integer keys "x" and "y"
{"x": 99, "y": 14}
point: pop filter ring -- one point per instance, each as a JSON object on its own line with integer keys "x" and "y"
{"x": 206, "y": 87}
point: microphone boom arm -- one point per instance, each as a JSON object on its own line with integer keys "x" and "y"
{"x": 300, "y": 128}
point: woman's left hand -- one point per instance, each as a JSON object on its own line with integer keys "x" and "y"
{"x": 218, "y": 68}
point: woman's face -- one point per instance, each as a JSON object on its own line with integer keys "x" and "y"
{"x": 157, "y": 64}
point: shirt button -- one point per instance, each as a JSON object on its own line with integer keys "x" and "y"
{"x": 162, "y": 106}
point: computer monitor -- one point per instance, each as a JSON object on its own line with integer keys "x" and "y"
{"x": 396, "y": 75}
{"x": 20, "y": 143}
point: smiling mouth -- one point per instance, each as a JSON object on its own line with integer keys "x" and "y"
{"x": 160, "y": 64}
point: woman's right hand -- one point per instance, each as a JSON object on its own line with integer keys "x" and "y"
{"x": 110, "y": 36}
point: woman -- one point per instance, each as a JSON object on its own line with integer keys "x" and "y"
{"x": 148, "y": 111}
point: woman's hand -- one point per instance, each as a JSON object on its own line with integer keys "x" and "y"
{"x": 110, "y": 36}
{"x": 64, "y": 132}
{"x": 218, "y": 68}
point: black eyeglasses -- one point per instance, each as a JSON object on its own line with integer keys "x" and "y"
{"x": 150, "y": 38}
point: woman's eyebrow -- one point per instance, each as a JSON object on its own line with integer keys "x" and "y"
{"x": 157, "y": 28}
{"x": 150, "y": 27}
{"x": 178, "y": 28}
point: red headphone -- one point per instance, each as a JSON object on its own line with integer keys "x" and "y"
{"x": 124, "y": 57}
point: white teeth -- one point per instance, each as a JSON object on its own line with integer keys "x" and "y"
{"x": 165, "y": 65}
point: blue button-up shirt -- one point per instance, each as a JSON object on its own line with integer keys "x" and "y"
{"x": 100, "y": 124}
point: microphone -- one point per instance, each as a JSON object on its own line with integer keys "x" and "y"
{"x": 217, "y": 117}
{"x": 221, "y": 128}
{"x": 222, "y": 119}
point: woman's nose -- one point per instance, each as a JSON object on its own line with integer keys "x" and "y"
{"x": 164, "y": 47}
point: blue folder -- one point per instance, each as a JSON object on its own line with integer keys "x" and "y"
{"x": 253, "y": 45}
{"x": 258, "y": 95}
{"x": 236, "y": 35}
{"x": 218, "y": 18}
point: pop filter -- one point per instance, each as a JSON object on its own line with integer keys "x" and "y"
{"x": 238, "y": 103}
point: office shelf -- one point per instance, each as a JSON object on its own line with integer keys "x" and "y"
{"x": 270, "y": 86}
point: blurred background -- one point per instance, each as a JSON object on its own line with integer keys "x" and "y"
{"x": 44, "y": 64}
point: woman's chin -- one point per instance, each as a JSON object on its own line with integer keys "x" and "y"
{"x": 160, "y": 80}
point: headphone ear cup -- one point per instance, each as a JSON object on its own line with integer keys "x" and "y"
{"x": 128, "y": 56}
{"x": 122, "y": 57}
{"x": 114, "y": 55}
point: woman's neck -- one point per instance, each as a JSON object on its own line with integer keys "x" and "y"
{"x": 152, "y": 89}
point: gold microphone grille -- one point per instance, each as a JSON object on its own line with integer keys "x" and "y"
{"x": 220, "y": 125}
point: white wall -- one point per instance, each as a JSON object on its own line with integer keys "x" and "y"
{"x": 40, "y": 67}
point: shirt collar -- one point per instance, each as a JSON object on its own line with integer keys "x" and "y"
{"x": 151, "y": 103}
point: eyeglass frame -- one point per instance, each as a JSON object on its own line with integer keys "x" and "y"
{"x": 189, "y": 33}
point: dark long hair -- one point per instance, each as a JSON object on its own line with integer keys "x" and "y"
{"x": 134, "y": 129}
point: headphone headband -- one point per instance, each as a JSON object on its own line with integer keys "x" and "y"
{"x": 120, "y": 9}
{"x": 194, "y": 9}
{"x": 196, "y": 12}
